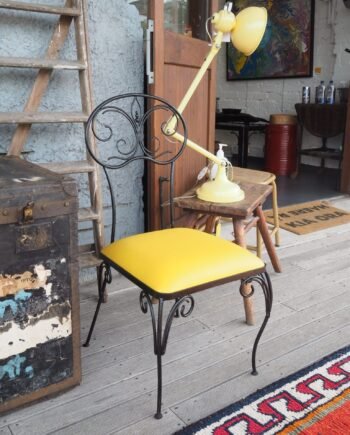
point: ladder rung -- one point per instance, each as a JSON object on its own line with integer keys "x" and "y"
{"x": 87, "y": 214}
{"x": 41, "y": 117}
{"x": 88, "y": 257}
{"x": 23, "y": 62}
{"x": 36, "y": 7}
{"x": 75, "y": 167}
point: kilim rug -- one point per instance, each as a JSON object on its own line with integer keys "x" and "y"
{"x": 312, "y": 401}
{"x": 309, "y": 217}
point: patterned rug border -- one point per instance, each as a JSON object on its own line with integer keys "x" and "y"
{"x": 206, "y": 421}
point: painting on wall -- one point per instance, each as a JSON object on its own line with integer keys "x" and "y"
{"x": 286, "y": 50}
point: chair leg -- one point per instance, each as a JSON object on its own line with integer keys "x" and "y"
{"x": 183, "y": 307}
{"x": 104, "y": 278}
{"x": 264, "y": 282}
{"x": 276, "y": 222}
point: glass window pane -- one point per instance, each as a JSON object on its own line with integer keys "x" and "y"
{"x": 187, "y": 17}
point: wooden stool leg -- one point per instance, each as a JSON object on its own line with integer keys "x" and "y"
{"x": 258, "y": 243}
{"x": 275, "y": 214}
{"x": 238, "y": 228}
{"x": 265, "y": 234}
{"x": 211, "y": 224}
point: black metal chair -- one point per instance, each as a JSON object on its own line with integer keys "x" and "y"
{"x": 169, "y": 264}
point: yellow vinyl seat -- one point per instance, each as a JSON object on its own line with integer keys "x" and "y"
{"x": 185, "y": 259}
{"x": 168, "y": 265}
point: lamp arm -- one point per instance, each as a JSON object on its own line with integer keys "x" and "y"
{"x": 246, "y": 37}
{"x": 203, "y": 69}
{"x": 217, "y": 42}
{"x": 199, "y": 149}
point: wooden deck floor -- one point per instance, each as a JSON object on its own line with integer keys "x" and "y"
{"x": 207, "y": 364}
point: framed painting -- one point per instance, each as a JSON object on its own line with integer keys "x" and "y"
{"x": 286, "y": 50}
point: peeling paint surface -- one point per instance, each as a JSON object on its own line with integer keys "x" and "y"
{"x": 35, "y": 368}
{"x": 13, "y": 367}
{"x": 12, "y": 284}
{"x": 13, "y": 304}
{"x": 39, "y": 299}
{"x": 17, "y": 340}
{"x": 35, "y": 328}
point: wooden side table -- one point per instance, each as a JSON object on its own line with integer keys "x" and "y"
{"x": 239, "y": 212}
{"x": 324, "y": 121}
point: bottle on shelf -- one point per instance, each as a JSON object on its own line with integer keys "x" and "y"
{"x": 320, "y": 93}
{"x": 330, "y": 93}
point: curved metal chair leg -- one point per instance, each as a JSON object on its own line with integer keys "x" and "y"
{"x": 182, "y": 307}
{"x": 158, "y": 349}
{"x": 104, "y": 278}
{"x": 264, "y": 282}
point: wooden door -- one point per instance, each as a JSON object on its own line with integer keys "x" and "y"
{"x": 177, "y": 56}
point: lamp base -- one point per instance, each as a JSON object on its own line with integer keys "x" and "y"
{"x": 220, "y": 190}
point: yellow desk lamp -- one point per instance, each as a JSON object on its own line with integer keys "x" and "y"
{"x": 246, "y": 31}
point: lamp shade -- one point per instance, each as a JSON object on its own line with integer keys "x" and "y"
{"x": 249, "y": 30}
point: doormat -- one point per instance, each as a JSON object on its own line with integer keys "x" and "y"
{"x": 312, "y": 401}
{"x": 309, "y": 217}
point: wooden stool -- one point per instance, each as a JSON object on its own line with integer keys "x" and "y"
{"x": 259, "y": 177}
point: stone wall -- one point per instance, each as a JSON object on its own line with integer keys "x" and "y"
{"x": 264, "y": 97}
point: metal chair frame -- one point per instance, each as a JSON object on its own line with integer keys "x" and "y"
{"x": 133, "y": 108}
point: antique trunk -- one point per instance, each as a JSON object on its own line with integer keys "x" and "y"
{"x": 39, "y": 301}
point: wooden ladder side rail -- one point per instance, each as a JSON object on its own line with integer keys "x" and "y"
{"x": 41, "y": 83}
{"x": 73, "y": 10}
{"x": 87, "y": 107}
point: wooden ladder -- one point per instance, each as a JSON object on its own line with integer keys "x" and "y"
{"x": 73, "y": 11}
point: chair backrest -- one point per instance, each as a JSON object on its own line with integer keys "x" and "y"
{"x": 119, "y": 127}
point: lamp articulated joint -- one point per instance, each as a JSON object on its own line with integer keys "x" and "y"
{"x": 224, "y": 21}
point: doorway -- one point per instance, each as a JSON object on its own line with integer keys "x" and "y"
{"x": 179, "y": 45}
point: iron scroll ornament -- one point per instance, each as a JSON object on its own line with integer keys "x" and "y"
{"x": 127, "y": 114}
{"x": 182, "y": 307}
{"x": 116, "y": 134}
